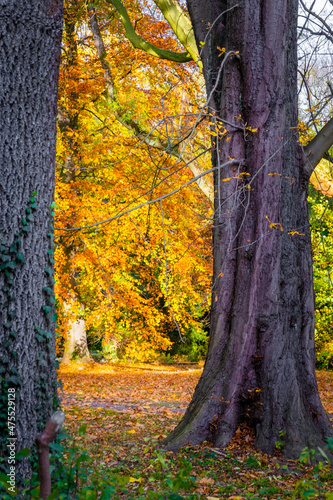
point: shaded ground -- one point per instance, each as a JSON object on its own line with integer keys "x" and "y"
{"x": 127, "y": 409}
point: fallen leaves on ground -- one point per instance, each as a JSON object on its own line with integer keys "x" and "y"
{"x": 128, "y": 409}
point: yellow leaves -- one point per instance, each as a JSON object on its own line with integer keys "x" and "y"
{"x": 239, "y": 176}
{"x": 294, "y": 233}
{"x": 274, "y": 225}
{"x": 132, "y": 431}
{"x": 119, "y": 268}
{"x": 135, "y": 480}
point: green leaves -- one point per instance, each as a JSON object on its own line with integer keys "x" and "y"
{"x": 56, "y": 446}
{"x": 82, "y": 430}
{"x": 25, "y": 452}
{"x": 20, "y": 257}
{"x": 46, "y": 309}
{"x": 14, "y": 379}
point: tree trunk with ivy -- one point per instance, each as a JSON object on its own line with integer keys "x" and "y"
{"x": 260, "y": 366}
{"x": 30, "y": 38}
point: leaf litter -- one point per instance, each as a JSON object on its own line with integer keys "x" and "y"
{"x": 128, "y": 409}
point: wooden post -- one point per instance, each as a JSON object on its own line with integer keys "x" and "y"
{"x": 43, "y": 440}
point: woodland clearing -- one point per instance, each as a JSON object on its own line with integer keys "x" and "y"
{"x": 119, "y": 413}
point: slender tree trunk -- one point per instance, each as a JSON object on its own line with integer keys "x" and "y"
{"x": 260, "y": 365}
{"x": 30, "y": 37}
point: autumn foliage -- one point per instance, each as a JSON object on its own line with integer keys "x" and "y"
{"x": 141, "y": 278}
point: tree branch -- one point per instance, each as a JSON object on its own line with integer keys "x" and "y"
{"x": 329, "y": 33}
{"x": 181, "y": 26}
{"x": 121, "y": 214}
{"x": 110, "y": 95}
{"x": 139, "y": 43}
{"x": 204, "y": 184}
{"x": 320, "y": 144}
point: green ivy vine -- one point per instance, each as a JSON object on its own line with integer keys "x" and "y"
{"x": 43, "y": 337}
{"x": 11, "y": 258}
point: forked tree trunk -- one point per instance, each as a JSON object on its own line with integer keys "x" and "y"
{"x": 260, "y": 365}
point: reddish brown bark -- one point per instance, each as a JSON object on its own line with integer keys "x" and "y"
{"x": 47, "y": 436}
{"x": 260, "y": 365}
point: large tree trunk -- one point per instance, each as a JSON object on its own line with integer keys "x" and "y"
{"x": 30, "y": 37}
{"x": 260, "y": 365}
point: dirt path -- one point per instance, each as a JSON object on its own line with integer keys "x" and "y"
{"x": 145, "y": 388}
{"x": 138, "y": 406}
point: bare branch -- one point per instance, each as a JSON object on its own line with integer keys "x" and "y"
{"x": 121, "y": 214}
{"x": 322, "y": 22}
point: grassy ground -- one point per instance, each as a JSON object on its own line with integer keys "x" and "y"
{"x": 119, "y": 413}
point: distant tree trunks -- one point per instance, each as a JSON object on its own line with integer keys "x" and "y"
{"x": 30, "y": 38}
{"x": 260, "y": 366}
{"x": 76, "y": 346}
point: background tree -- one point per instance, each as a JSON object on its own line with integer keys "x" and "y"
{"x": 135, "y": 277}
{"x": 30, "y": 36}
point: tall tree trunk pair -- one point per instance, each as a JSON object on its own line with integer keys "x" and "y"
{"x": 260, "y": 366}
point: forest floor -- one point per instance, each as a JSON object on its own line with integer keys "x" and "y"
{"x": 118, "y": 413}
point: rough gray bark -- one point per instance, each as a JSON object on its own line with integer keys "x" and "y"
{"x": 30, "y": 37}
{"x": 260, "y": 365}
